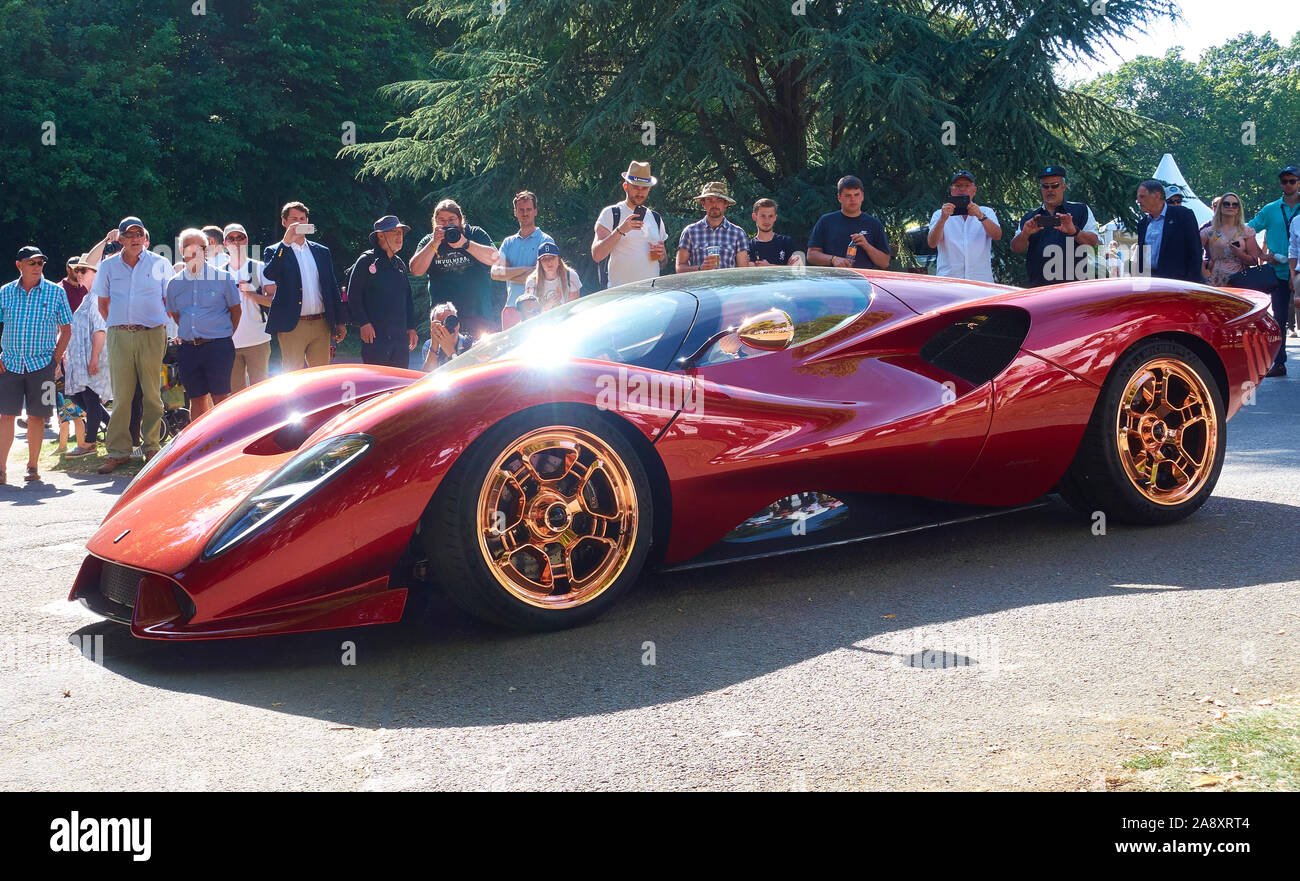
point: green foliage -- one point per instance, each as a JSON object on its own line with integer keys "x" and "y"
{"x": 1249, "y": 83}
{"x": 189, "y": 119}
{"x": 555, "y": 96}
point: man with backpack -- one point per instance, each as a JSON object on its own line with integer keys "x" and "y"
{"x": 629, "y": 241}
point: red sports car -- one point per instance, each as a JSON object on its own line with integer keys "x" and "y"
{"x": 695, "y": 419}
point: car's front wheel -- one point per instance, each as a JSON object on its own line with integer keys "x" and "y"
{"x": 544, "y": 523}
{"x": 1155, "y": 444}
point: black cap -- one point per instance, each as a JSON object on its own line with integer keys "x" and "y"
{"x": 959, "y": 175}
{"x": 1051, "y": 171}
{"x": 1290, "y": 169}
{"x": 27, "y": 252}
{"x": 128, "y": 222}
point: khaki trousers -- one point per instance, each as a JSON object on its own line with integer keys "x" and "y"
{"x": 251, "y": 363}
{"x": 135, "y": 356}
{"x": 309, "y": 341}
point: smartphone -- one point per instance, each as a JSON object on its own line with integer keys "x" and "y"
{"x": 1048, "y": 221}
{"x": 961, "y": 203}
{"x": 639, "y": 212}
{"x": 306, "y": 229}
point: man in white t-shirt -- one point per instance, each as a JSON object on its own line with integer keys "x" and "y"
{"x": 629, "y": 235}
{"x": 252, "y": 342}
{"x": 964, "y": 237}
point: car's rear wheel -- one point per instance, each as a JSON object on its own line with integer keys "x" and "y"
{"x": 544, "y": 523}
{"x": 1154, "y": 447}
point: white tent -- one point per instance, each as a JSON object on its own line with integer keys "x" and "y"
{"x": 1167, "y": 171}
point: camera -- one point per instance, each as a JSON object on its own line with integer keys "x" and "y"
{"x": 1048, "y": 221}
{"x": 960, "y": 203}
{"x": 452, "y": 323}
{"x": 451, "y": 234}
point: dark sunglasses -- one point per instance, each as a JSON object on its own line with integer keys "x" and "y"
{"x": 1230, "y": 204}
{"x": 1291, "y": 181}
{"x": 236, "y": 238}
{"x": 1055, "y": 186}
{"x": 35, "y": 261}
{"x": 83, "y": 269}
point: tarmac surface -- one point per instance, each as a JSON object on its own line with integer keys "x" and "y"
{"x": 1021, "y": 652}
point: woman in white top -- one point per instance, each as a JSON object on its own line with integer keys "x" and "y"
{"x": 252, "y": 342}
{"x": 553, "y": 282}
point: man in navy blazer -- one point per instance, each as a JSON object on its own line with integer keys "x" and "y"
{"x": 1169, "y": 237}
{"x": 306, "y": 312}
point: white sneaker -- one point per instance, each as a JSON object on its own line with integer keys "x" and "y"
{"x": 138, "y": 451}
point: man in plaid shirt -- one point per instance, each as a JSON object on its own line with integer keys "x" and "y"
{"x": 37, "y": 327}
{"x": 713, "y": 242}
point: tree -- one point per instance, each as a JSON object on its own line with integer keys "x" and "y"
{"x": 777, "y": 100}
{"x": 1232, "y": 119}
{"x": 185, "y": 119}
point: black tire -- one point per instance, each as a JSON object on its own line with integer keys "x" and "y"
{"x": 460, "y": 544}
{"x": 1107, "y": 472}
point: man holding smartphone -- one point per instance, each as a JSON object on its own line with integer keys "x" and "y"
{"x": 629, "y": 245}
{"x": 306, "y": 312}
{"x": 1050, "y": 233}
{"x": 963, "y": 232}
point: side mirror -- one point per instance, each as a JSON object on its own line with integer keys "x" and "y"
{"x": 770, "y": 331}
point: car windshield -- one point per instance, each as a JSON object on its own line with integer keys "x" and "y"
{"x": 635, "y": 325}
{"x": 818, "y": 301}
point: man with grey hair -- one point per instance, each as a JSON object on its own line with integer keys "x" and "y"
{"x": 130, "y": 287}
{"x": 1169, "y": 245}
{"x": 445, "y": 339}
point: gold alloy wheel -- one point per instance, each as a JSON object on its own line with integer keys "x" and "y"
{"x": 557, "y": 517}
{"x": 1167, "y": 431}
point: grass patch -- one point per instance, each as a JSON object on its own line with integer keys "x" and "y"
{"x": 1256, "y": 750}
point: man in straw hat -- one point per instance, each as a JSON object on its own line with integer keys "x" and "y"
{"x": 629, "y": 241}
{"x": 713, "y": 242}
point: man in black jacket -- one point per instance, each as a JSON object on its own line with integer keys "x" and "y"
{"x": 306, "y": 304}
{"x": 379, "y": 298}
{"x": 1169, "y": 242}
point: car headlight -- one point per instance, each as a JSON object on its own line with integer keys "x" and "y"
{"x": 300, "y": 477}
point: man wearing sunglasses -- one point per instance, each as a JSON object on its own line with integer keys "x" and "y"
{"x": 1050, "y": 233}
{"x": 1275, "y": 220}
{"x": 37, "y": 326}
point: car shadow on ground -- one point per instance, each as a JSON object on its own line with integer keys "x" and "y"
{"x": 713, "y": 628}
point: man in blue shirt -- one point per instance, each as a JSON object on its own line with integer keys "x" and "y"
{"x": 37, "y": 326}
{"x": 130, "y": 286}
{"x": 204, "y": 302}
{"x": 518, "y": 253}
{"x": 849, "y": 237}
{"x": 1275, "y": 220}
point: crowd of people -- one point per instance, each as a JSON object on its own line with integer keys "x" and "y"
{"x": 103, "y": 332}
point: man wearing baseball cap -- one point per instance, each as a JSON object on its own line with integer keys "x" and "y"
{"x": 964, "y": 240}
{"x": 131, "y": 287}
{"x": 37, "y": 326}
{"x": 1050, "y": 233}
{"x": 713, "y": 242}
{"x": 629, "y": 242}
{"x": 379, "y": 297}
{"x": 1275, "y": 220}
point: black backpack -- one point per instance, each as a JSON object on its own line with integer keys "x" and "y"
{"x": 602, "y": 268}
